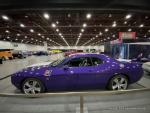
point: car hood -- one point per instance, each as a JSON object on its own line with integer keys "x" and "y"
{"x": 40, "y": 64}
{"x": 36, "y": 69}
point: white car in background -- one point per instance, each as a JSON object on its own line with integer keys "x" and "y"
{"x": 146, "y": 68}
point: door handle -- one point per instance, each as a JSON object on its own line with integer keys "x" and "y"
{"x": 90, "y": 70}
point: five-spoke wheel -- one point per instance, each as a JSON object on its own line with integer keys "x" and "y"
{"x": 118, "y": 82}
{"x": 32, "y": 86}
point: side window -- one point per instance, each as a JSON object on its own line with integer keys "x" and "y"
{"x": 96, "y": 61}
{"x": 80, "y": 62}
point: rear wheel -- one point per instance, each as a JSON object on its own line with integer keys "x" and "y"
{"x": 32, "y": 86}
{"x": 118, "y": 82}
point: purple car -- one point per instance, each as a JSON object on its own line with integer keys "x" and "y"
{"x": 80, "y": 71}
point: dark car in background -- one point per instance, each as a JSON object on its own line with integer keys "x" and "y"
{"x": 41, "y": 53}
{"x": 19, "y": 55}
{"x": 1, "y": 61}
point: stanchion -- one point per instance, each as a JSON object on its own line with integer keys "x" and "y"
{"x": 81, "y": 104}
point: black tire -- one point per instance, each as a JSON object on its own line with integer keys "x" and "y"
{"x": 10, "y": 58}
{"x": 111, "y": 82}
{"x": 33, "y": 79}
{"x": 1, "y": 61}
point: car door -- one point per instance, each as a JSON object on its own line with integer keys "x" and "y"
{"x": 58, "y": 79}
{"x": 83, "y": 71}
{"x": 90, "y": 76}
{"x": 74, "y": 69}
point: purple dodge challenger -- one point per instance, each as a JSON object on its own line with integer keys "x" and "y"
{"x": 78, "y": 71}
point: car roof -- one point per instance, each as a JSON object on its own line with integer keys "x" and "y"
{"x": 85, "y": 54}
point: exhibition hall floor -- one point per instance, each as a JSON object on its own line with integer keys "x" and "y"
{"x": 129, "y": 102}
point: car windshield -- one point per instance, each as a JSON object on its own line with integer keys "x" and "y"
{"x": 57, "y": 62}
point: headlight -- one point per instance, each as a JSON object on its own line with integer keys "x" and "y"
{"x": 47, "y": 72}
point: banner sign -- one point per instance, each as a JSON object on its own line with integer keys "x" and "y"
{"x": 117, "y": 41}
{"x": 127, "y": 35}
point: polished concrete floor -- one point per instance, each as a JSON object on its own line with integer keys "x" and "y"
{"x": 137, "y": 102}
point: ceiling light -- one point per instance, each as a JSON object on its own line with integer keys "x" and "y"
{"x": 125, "y": 22}
{"x": 5, "y": 17}
{"x": 146, "y": 17}
{"x": 46, "y": 16}
{"x": 47, "y": 38}
{"x": 106, "y": 30}
{"x": 100, "y": 33}
{"x": 18, "y": 34}
{"x": 39, "y": 34}
{"x": 7, "y": 31}
{"x": 88, "y": 16}
{"x": 84, "y": 25}
{"x": 26, "y": 16}
{"x": 128, "y": 16}
{"x": 31, "y": 30}
{"x": 22, "y": 25}
{"x": 43, "y": 37}
{"x": 53, "y": 25}
{"x": 57, "y": 22}
{"x": 57, "y": 30}
{"x": 60, "y": 34}
{"x": 114, "y": 24}
{"x": 32, "y": 39}
{"x": 80, "y": 34}
{"x": 69, "y": 15}
{"x": 25, "y": 37}
{"x": 142, "y": 25}
{"x": 149, "y": 31}
{"x": 129, "y": 29}
{"x": 82, "y": 30}
{"x": 16, "y": 39}
{"x": 110, "y": 15}
{"x": 8, "y": 37}
{"x": 96, "y": 36}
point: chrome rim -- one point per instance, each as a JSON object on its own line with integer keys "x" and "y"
{"x": 119, "y": 83}
{"x": 32, "y": 87}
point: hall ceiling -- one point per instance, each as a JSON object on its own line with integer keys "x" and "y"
{"x": 71, "y": 27}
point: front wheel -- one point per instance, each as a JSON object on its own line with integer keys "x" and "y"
{"x": 118, "y": 82}
{"x": 32, "y": 86}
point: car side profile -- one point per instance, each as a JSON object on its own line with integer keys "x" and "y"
{"x": 80, "y": 71}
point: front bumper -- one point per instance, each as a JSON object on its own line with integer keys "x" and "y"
{"x": 16, "y": 81}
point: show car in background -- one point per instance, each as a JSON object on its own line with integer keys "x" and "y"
{"x": 81, "y": 71}
{"x": 146, "y": 68}
{"x": 19, "y": 55}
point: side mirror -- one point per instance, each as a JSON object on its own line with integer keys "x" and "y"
{"x": 65, "y": 67}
